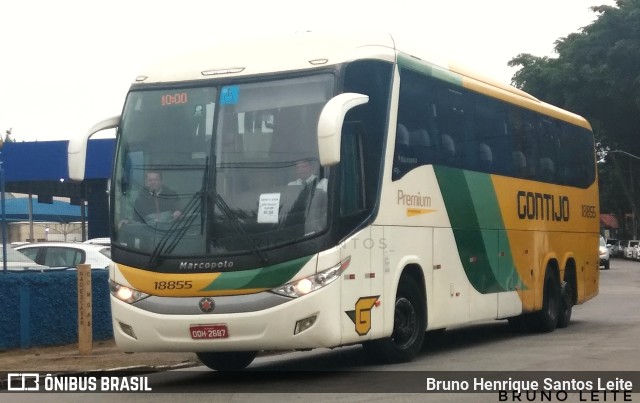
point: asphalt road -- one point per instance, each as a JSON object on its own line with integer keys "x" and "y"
{"x": 603, "y": 336}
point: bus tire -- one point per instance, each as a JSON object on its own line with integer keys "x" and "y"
{"x": 566, "y": 305}
{"x": 520, "y": 323}
{"x": 227, "y": 361}
{"x": 546, "y": 320}
{"x": 409, "y": 325}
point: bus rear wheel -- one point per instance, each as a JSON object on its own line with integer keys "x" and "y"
{"x": 227, "y": 361}
{"x": 409, "y": 324}
{"x": 546, "y": 320}
{"x": 566, "y": 304}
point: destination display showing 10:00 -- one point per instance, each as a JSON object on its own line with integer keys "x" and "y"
{"x": 174, "y": 99}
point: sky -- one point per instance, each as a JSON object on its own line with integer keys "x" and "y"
{"x": 67, "y": 64}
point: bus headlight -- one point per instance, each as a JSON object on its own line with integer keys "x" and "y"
{"x": 126, "y": 294}
{"x": 309, "y": 284}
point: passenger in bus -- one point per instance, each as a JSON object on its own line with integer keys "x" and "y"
{"x": 156, "y": 203}
{"x": 305, "y": 203}
{"x": 306, "y": 175}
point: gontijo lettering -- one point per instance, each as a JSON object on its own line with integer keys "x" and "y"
{"x": 542, "y": 206}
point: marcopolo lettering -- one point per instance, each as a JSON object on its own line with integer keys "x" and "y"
{"x": 205, "y": 265}
{"x": 542, "y": 206}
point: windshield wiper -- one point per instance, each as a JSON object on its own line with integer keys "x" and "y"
{"x": 237, "y": 226}
{"x": 178, "y": 229}
{"x": 180, "y": 226}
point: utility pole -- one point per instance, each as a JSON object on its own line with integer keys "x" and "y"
{"x": 3, "y": 211}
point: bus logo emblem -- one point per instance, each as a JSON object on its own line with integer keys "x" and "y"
{"x": 207, "y": 304}
{"x": 361, "y": 316}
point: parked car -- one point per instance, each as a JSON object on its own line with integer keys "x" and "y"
{"x": 617, "y": 249}
{"x": 612, "y": 245}
{"x": 630, "y": 249}
{"x": 68, "y": 254}
{"x": 17, "y": 261}
{"x": 623, "y": 246}
{"x": 604, "y": 254}
{"x": 99, "y": 241}
{"x": 635, "y": 254}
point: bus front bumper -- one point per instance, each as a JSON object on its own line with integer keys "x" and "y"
{"x": 310, "y": 321}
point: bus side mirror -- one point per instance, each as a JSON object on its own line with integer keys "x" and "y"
{"x": 77, "y": 148}
{"x": 330, "y": 125}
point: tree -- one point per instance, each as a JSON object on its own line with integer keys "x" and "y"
{"x": 7, "y": 137}
{"x": 596, "y": 74}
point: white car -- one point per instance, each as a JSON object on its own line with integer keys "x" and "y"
{"x": 68, "y": 254}
{"x": 630, "y": 249}
{"x": 17, "y": 261}
{"x": 604, "y": 254}
{"x": 99, "y": 241}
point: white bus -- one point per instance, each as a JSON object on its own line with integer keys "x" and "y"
{"x": 436, "y": 198}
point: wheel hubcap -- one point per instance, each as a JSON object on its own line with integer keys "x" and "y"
{"x": 405, "y": 323}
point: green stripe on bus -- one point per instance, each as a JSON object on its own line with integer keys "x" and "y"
{"x": 485, "y": 203}
{"x": 478, "y": 228}
{"x": 264, "y": 277}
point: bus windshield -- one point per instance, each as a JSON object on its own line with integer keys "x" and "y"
{"x": 220, "y": 169}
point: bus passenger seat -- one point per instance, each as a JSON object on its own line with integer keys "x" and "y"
{"x": 420, "y": 138}
{"x": 402, "y": 135}
{"x": 421, "y": 145}
{"x": 404, "y": 159}
{"x": 448, "y": 148}
{"x": 519, "y": 164}
{"x": 531, "y": 171}
{"x": 485, "y": 157}
{"x": 547, "y": 170}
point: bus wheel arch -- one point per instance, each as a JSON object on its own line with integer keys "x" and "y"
{"x": 409, "y": 320}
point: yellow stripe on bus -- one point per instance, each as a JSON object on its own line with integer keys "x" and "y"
{"x": 169, "y": 284}
{"x": 418, "y": 211}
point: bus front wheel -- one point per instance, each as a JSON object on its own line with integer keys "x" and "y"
{"x": 227, "y": 361}
{"x": 409, "y": 324}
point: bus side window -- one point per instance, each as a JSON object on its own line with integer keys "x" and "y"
{"x": 408, "y": 150}
{"x": 352, "y": 195}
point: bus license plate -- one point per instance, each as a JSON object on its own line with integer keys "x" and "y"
{"x": 217, "y": 331}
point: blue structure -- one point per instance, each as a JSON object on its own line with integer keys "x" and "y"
{"x": 40, "y": 168}
{"x": 40, "y": 309}
{"x": 18, "y": 210}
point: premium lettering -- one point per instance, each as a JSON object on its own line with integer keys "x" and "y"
{"x": 542, "y": 206}
{"x": 413, "y": 200}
